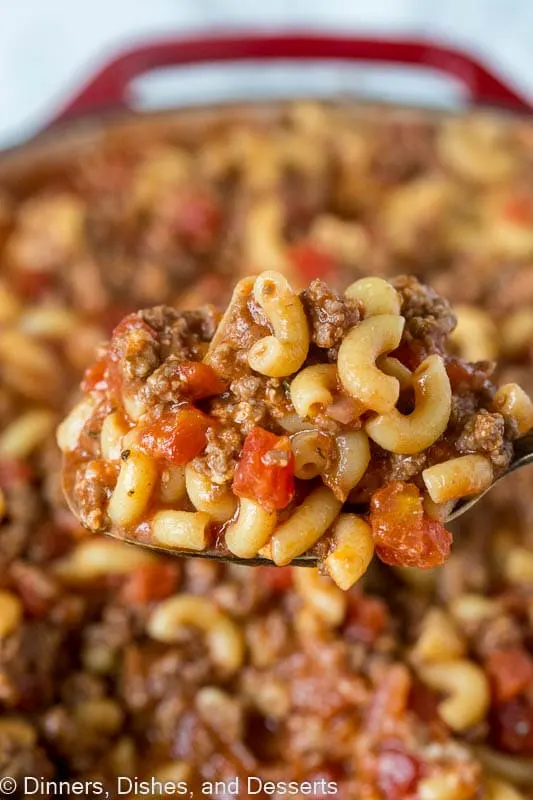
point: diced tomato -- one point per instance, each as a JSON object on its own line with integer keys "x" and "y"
{"x": 13, "y": 472}
{"x": 410, "y": 354}
{"x": 32, "y": 284}
{"x": 197, "y": 217}
{"x": 470, "y": 376}
{"x": 390, "y": 699}
{"x": 150, "y": 582}
{"x": 519, "y": 209}
{"x": 177, "y": 436}
{"x": 104, "y": 375}
{"x": 94, "y": 377}
{"x": 131, "y": 322}
{"x": 424, "y": 702}
{"x": 310, "y": 262}
{"x": 511, "y": 672}
{"x": 277, "y": 579}
{"x": 198, "y": 380}
{"x": 265, "y": 472}
{"x": 403, "y": 534}
{"x": 512, "y": 726}
{"x": 366, "y": 618}
{"x": 398, "y": 772}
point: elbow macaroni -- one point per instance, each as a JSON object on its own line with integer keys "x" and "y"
{"x": 185, "y": 530}
{"x": 313, "y": 388}
{"x": 515, "y": 405}
{"x": 224, "y": 637}
{"x": 356, "y": 364}
{"x": 458, "y": 477}
{"x": 135, "y": 484}
{"x": 305, "y": 526}
{"x": 311, "y": 450}
{"x": 321, "y": 595}
{"x": 352, "y": 552}
{"x": 114, "y": 428}
{"x": 467, "y": 687}
{"x": 217, "y": 501}
{"x": 172, "y": 488}
{"x": 376, "y": 295}
{"x": 283, "y": 353}
{"x": 252, "y": 529}
{"x": 353, "y": 458}
{"x": 412, "y": 433}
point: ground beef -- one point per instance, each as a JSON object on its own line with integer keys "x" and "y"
{"x": 500, "y": 633}
{"x": 95, "y": 481}
{"x": 164, "y": 386}
{"x": 405, "y": 468}
{"x": 484, "y": 433}
{"x": 139, "y": 354}
{"x": 29, "y": 662}
{"x": 329, "y": 314}
{"x": 253, "y": 400}
{"x": 242, "y": 325}
{"x": 182, "y": 333}
{"x": 428, "y": 317}
{"x": 221, "y": 454}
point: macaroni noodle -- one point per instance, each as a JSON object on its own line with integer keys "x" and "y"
{"x": 181, "y": 529}
{"x": 283, "y": 353}
{"x": 252, "y": 529}
{"x": 457, "y": 477}
{"x": 415, "y": 432}
{"x": 223, "y": 636}
{"x": 305, "y": 526}
{"x": 135, "y": 484}
{"x": 356, "y": 363}
{"x": 376, "y": 295}
{"x": 352, "y": 551}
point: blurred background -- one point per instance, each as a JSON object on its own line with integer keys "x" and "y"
{"x": 47, "y": 48}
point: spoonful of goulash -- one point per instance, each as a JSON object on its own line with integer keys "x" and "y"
{"x": 311, "y": 428}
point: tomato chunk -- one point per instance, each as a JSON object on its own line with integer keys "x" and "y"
{"x": 410, "y": 354}
{"x": 512, "y": 726}
{"x": 398, "y": 772}
{"x": 265, "y": 471}
{"x": 13, "y": 472}
{"x": 463, "y": 375}
{"x": 403, "y": 534}
{"x": 95, "y": 376}
{"x": 276, "y": 579}
{"x": 150, "y": 582}
{"x": 366, "y": 619}
{"x": 511, "y": 672}
{"x": 197, "y": 217}
{"x": 519, "y": 210}
{"x": 311, "y": 262}
{"x": 32, "y": 284}
{"x": 131, "y": 322}
{"x": 177, "y": 436}
{"x": 198, "y": 380}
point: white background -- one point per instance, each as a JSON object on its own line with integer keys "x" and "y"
{"x": 48, "y": 46}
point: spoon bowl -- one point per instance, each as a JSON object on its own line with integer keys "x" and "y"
{"x": 522, "y": 456}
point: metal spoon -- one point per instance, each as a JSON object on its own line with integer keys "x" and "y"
{"x": 523, "y": 455}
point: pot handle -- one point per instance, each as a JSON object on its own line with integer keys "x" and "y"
{"x": 109, "y": 88}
